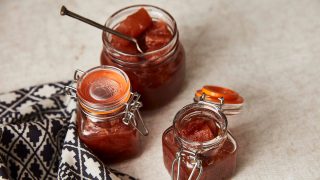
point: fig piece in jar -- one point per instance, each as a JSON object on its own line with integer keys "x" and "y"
{"x": 129, "y": 48}
{"x": 199, "y": 130}
{"x": 157, "y": 36}
{"x": 134, "y": 25}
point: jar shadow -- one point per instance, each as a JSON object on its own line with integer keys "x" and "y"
{"x": 250, "y": 144}
{"x": 152, "y": 125}
{"x": 244, "y": 146}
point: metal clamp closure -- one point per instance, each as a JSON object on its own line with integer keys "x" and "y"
{"x": 195, "y": 160}
{"x": 70, "y": 90}
{"x": 77, "y": 74}
{"x": 132, "y": 114}
{"x": 221, "y": 99}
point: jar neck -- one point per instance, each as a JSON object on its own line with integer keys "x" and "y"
{"x": 213, "y": 126}
{"x": 102, "y": 112}
{"x": 141, "y": 59}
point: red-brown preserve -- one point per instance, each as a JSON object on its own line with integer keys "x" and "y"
{"x": 157, "y": 73}
{"x": 108, "y": 118}
{"x": 198, "y": 145}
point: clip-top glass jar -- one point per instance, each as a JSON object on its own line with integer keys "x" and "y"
{"x": 108, "y": 118}
{"x": 199, "y": 145}
{"x": 157, "y": 73}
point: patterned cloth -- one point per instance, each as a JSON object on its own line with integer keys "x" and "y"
{"x": 38, "y": 138}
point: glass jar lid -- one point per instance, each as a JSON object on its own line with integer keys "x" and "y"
{"x": 103, "y": 89}
{"x": 232, "y": 104}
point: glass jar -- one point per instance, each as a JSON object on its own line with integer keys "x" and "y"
{"x": 157, "y": 74}
{"x": 108, "y": 118}
{"x": 199, "y": 145}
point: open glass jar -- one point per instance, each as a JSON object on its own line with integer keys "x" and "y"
{"x": 108, "y": 118}
{"x": 199, "y": 145}
{"x": 157, "y": 73}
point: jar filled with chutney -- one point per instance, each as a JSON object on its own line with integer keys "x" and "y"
{"x": 199, "y": 145}
{"x": 108, "y": 118}
{"x": 157, "y": 73}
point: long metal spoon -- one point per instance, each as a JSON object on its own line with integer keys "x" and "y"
{"x": 65, "y": 11}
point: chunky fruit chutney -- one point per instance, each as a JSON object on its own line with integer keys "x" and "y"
{"x": 111, "y": 141}
{"x": 198, "y": 145}
{"x": 199, "y": 128}
{"x": 157, "y": 73}
{"x": 103, "y": 120}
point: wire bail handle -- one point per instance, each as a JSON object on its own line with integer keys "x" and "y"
{"x": 221, "y": 99}
{"x": 70, "y": 90}
{"x": 195, "y": 161}
{"x": 132, "y": 114}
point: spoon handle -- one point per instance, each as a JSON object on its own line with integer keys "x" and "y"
{"x": 65, "y": 11}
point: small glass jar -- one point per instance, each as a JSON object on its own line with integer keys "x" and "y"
{"x": 108, "y": 118}
{"x": 199, "y": 145}
{"x": 158, "y": 74}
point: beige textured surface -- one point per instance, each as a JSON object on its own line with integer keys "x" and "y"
{"x": 267, "y": 50}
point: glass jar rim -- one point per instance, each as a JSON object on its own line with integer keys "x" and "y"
{"x": 216, "y": 141}
{"x": 104, "y": 107}
{"x": 175, "y": 33}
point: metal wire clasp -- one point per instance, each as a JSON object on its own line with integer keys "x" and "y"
{"x": 77, "y": 74}
{"x": 132, "y": 114}
{"x": 70, "y": 90}
{"x": 221, "y": 99}
{"x": 197, "y": 164}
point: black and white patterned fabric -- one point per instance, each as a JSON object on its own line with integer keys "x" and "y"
{"x": 38, "y": 138}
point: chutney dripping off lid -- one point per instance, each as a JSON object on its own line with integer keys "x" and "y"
{"x": 233, "y": 102}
